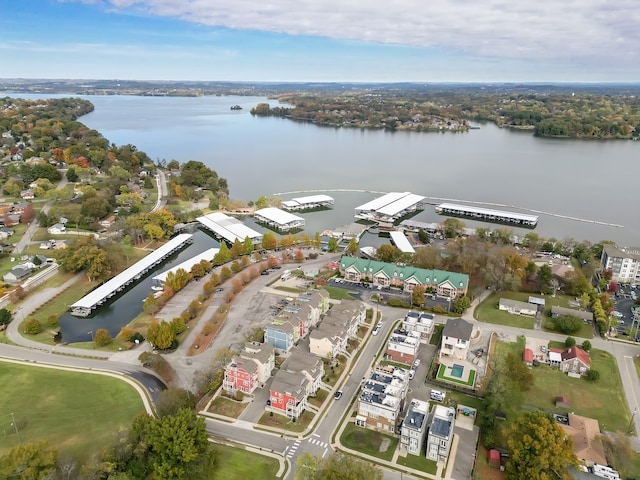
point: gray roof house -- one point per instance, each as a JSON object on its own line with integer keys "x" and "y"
{"x": 456, "y": 336}
{"x": 17, "y": 274}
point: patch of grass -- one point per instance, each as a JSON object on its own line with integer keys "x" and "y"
{"x": 419, "y": 462}
{"x": 603, "y": 400}
{"x": 319, "y": 399}
{"x": 338, "y": 293}
{"x": 332, "y": 374}
{"x": 227, "y": 407}
{"x": 462, "y": 399}
{"x": 586, "y": 331}
{"x": 368, "y": 441}
{"x": 285, "y": 423}
{"x": 54, "y": 412}
{"x": 239, "y": 464}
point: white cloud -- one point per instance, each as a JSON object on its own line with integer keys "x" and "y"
{"x": 574, "y": 31}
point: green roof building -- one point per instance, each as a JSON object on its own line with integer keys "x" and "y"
{"x": 445, "y": 284}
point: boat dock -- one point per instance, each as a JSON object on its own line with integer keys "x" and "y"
{"x": 157, "y": 284}
{"x": 390, "y": 207}
{"x": 99, "y": 296}
{"x": 486, "y": 214}
{"x": 279, "y": 219}
{"x": 308, "y": 203}
{"x": 228, "y": 228}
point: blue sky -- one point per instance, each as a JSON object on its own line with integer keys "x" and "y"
{"x": 322, "y": 40}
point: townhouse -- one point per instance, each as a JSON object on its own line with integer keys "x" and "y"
{"x": 403, "y": 346}
{"x": 414, "y": 427}
{"x": 440, "y": 434}
{"x": 250, "y": 369}
{"x": 421, "y": 323}
{"x": 341, "y": 323}
{"x": 382, "y": 399}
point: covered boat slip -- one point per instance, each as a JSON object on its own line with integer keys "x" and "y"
{"x": 487, "y": 214}
{"x": 84, "y": 306}
{"x": 158, "y": 280}
{"x": 308, "y": 203}
{"x": 274, "y": 217}
{"x": 228, "y": 228}
{"x": 390, "y": 207}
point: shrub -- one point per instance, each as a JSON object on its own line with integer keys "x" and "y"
{"x": 398, "y": 302}
{"x": 5, "y": 316}
{"x": 439, "y": 310}
{"x": 52, "y": 320}
{"x": 586, "y": 345}
{"x": 32, "y": 326}
{"x": 567, "y": 324}
{"x": 178, "y": 326}
{"x": 593, "y": 375}
{"x": 126, "y": 333}
{"x": 569, "y": 342}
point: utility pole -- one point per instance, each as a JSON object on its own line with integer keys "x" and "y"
{"x": 15, "y": 425}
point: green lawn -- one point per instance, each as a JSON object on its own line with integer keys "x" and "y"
{"x": 368, "y": 441}
{"x": 227, "y": 407}
{"x": 419, "y": 462}
{"x": 468, "y": 383}
{"x": 586, "y": 331}
{"x": 338, "y": 293}
{"x": 240, "y": 464}
{"x": 488, "y": 311}
{"x": 79, "y": 414}
{"x": 603, "y": 400}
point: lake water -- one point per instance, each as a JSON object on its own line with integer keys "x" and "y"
{"x": 266, "y": 156}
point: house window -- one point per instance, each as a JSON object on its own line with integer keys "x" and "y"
{"x": 443, "y": 443}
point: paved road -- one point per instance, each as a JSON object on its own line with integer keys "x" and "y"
{"x": 161, "y": 182}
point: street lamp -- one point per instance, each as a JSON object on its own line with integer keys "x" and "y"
{"x": 90, "y": 332}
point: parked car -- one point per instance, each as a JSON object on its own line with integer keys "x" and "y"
{"x": 376, "y": 331}
{"x": 543, "y": 348}
{"x": 437, "y": 395}
{"x": 416, "y": 364}
{"x": 218, "y": 290}
{"x": 412, "y": 373}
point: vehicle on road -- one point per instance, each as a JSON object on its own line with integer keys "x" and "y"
{"x": 218, "y": 290}
{"x": 376, "y": 331}
{"x": 337, "y": 395}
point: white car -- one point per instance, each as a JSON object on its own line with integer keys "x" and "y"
{"x": 412, "y": 372}
{"x": 376, "y": 330}
{"x": 416, "y": 364}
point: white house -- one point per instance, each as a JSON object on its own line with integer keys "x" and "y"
{"x": 440, "y": 434}
{"x": 414, "y": 427}
{"x": 516, "y": 307}
{"x": 456, "y": 336}
{"x": 57, "y": 229}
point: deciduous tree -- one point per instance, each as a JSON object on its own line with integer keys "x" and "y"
{"x": 102, "y": 337}
{"x": 540, "y": 449}
{"x": 31, "y": 461}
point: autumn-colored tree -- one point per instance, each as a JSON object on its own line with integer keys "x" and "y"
{"x": 126, "y": 333}
{"x": 417, "y": 295}
{"x": 539, "y": 448}
{"x": 299, "y": 257}
{"x": 236, "y": 249}
{"x": 31, "y": 461}
{"x": 52, "y": 320}
{"x": 333, "y": 244}
{"x": 223, "y": 255}
{"x": 336, "y": 466}
{"x": 102, "y": 337}
{"x": 150, "y": 304}
{"x": 236, "y": 285}
{"x": 198, "y": 270}
{"x": 161, "y": 335}
{"x": 225, "y": 273}
{"x": 236, "y": 267}
{"x": 178, "y": 326}
{"x": 389, "y": 253}
{"x": 269, "y": 241}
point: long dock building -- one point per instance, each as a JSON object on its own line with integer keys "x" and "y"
{"x": 229, "y": 228}
{"x": 487, "y": 215}
{"x": 402, "y": 242}
{"x": 99, "y": 296}
{"x": 278, "y": 219}
{"x": 157, "y": 282}
{"x": 390, "y": 207}
{"x": 308, "y": 203}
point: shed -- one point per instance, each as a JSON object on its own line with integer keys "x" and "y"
{"x": 493, "y": 457}
{"x": 527, "y": 357}
{"x": 563, "y": 402}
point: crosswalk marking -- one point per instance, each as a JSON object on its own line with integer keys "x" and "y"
{"x": 318, "y": 442}
{"x": 292, "y": 449}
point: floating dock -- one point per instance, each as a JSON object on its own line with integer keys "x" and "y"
{"x": 488, "y": 215}
{"x": 88, "y": 303}
{"x": 308, "y": 203}
{"x": 228, "y": 228}
{"x": 390, "y": 207}
{"x": 157, "y": 282}
{"x": 279, "y": 219}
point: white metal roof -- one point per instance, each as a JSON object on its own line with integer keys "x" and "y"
{"x": 488, "y": 211}
{"x": 278, "y": 216}
{"x": 104, "y": 290}
{"x": 401, "y": 242}
{"x": 401, "y": 204}
{"x": 188, "y": 264}
{"x": 228, "y": 227}
{"x": 382, "y": 201}
{"x": 313, "y": 199}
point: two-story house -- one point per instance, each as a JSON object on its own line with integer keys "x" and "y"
{"x": 382, "y": 399}
{"x": 240, "y": 374}
{"x": 419, "y": 322}
{"x": 414, "y": 427}
{"x": 282, "y": 334}
{"x": 440, "y": 434}
{"x": 456, "y": 336}
{"x": 403, "y": 346}
{"x": 263, "y": 355}
{"x": 288, "y": 394}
